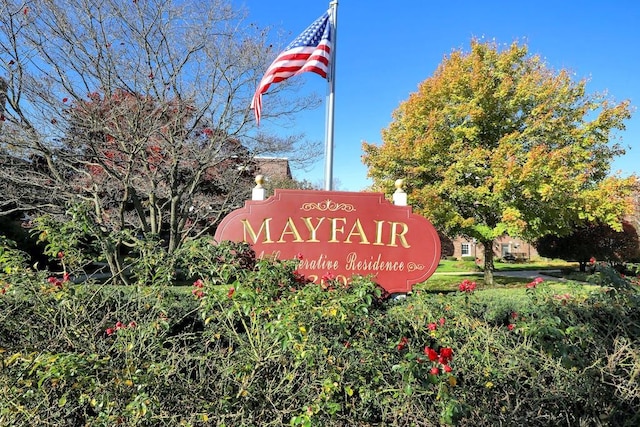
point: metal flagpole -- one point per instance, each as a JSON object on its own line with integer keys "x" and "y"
{"x": 328, "y": 136}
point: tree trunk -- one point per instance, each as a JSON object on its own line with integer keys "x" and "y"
{"x": 488, "y": 262}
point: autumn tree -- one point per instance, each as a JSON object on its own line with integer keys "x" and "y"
{"x": 592, "y": 240}
{"x": 496, "y": 142}
{"x": 137, "y": 110}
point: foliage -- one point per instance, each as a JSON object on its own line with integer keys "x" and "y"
{"x": 11, "y": 258}
{"x": 271, "y": 349}
{"x": 496, "y": 142}
{"x": 593, "y": 240}
{"x": 72, "y": 241}
{"x": 289, "y": 183}
{"x": 221, "y": 263}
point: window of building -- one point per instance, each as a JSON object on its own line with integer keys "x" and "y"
{"x": 465, "y": 249}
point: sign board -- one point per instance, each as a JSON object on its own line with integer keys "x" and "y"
{"x": 339, "y": 234}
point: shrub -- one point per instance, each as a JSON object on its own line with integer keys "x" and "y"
{"x": 221, "y": 263}
{"x": 269, "y": 348}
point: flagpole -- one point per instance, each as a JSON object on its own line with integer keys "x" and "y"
{"x": 328, "y": 136}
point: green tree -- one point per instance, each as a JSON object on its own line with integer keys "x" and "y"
{"x": 497, "y": 142}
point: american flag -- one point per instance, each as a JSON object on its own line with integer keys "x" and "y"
{"x": 310, "y": 51}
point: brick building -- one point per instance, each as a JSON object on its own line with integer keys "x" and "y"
{"x": 460, "y": 247}
{"x": 273, "y": 167}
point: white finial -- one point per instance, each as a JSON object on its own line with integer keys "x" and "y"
{"x": 399, "y": 197}
{"x": 259, "y": 192}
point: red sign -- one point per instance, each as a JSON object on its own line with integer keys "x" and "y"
{"x": 339, "y": 234}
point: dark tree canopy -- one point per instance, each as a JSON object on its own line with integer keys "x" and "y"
{"x": 595, "y": 240}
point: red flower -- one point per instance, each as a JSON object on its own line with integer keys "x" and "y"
{"x": 467, "y": 286}
{"x": 119, "y": 325}
{"x": 347, "y": 344}
{"x": 110, "y": 331}
{"x": 132, "y": 324}
{"x": 65, "y": 277}
{"x": 442, "y": 321}
{"x": 299, "y": 256}
{"x": 447, "y": 368}
{"x": 510, "y": 326}
{"x": 446, "y": 354}
{"x": 403, "y": 343}
{"x": 432, "y": 326}
{"x": 534, "y": 283}
{"x": 434, "y": 371}
{"x": 514, "y": 315}
{"x": 592, "y": 260}
{"x": 198, "y": 283}
{"x": 232, "y": 291}
{"x": 431, "y": 353}
{"x": 198, "y": 293}
{"x": 55, "y": 282}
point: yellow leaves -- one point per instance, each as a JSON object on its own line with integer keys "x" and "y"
{"x": 12, "y": 359}
{"x": 513, "y": 218}
{"x": 496, "y": 136}
{"x": 546, "y": 191}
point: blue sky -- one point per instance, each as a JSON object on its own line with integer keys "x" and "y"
{"x": 385, "y": 49}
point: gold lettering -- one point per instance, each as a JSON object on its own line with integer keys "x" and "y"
{"x": 351, "y": 261}
{"x": 312, "y": 230}
{"x": 375, "y": 264}
{"x": 379, "y": 225}
{"x": 335, "y": 229}
{"x": 246, "y": 227}
{"x": 290, "y": 228}
{"x": 360, "y": 232}
{"x": 400, "y": 235}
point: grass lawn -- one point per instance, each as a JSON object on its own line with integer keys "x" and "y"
{"x": 502, "y": 284}
{"x": 446, "y": 266}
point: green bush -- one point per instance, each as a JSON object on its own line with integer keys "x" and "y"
{"x": 268, "y": 348}
{"x": 468, "y": 258}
